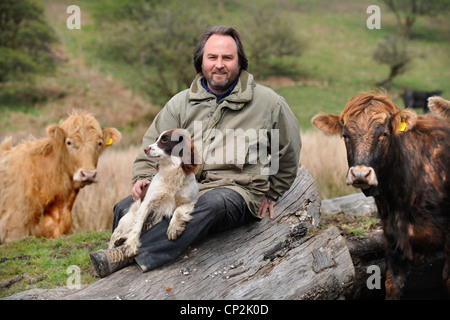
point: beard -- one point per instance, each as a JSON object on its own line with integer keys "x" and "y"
{"x": 219, "y": 86}
{"x": 224, "y": 85}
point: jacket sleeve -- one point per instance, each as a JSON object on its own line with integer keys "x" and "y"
{"x": 287, "y": 131}
{"x": 166, "y": 119}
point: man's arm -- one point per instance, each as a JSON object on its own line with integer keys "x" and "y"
{"x": 289, "y": 150}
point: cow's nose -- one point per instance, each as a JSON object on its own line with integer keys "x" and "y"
{"x": 88, "y": 175}
{"x": 361, "y": 177}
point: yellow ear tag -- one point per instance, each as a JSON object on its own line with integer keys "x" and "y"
{"x": 110, "y": 141}
{"x": 402, "y": 126}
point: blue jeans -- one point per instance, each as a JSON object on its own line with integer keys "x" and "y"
{"x": 215, "y": 211}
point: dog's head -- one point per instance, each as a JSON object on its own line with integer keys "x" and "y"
{"x": 174, "y": 146}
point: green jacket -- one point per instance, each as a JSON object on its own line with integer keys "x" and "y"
{"x": 231, "y": 134}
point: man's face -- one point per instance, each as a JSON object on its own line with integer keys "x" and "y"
{"x": 220, "y": 64}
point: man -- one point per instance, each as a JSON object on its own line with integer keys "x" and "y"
{"x": 250, "y": 145}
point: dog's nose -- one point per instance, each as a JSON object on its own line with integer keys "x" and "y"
{"x": 147, "y": 150}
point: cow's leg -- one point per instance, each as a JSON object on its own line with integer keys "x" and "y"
{"x": 446, "y": 272}
{"x": 396, "y": 267}
{"x": 51, "y": 224}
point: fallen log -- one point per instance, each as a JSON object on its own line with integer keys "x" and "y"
{"x": 354, "y": 204}
{"x": 271, "y": 259}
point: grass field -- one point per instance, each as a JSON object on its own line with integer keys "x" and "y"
{"x": 336, "y": 65}
{"x": 44, "y": 263}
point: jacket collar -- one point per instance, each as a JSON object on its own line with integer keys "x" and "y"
{"x": 242, "y": 92}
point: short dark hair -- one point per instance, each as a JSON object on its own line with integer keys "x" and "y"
{"x": 224, "y": 31}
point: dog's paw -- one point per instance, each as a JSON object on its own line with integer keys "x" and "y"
{"x": 119, "y": 242}
{"x": 112, "y": 242}
{"x": 131, "y": 247}
{"x": 174, "y": 231}
{"x": 115, "y": 242}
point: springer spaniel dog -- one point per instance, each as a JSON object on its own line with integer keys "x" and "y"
{"x": 172, "y": 192}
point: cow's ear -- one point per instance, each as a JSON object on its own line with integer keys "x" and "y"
{"x": 403, "y": 121}
{"x": 111, "y": 136}
{"x": 56, "y": 133}
{"x": 327, "y": 123}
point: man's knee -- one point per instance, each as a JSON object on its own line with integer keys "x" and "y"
{"x": 224, "y": 207}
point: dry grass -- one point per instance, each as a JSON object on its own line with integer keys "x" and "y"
{"x": 324, "y": 156}
{"x": 326, "y": 159}
{"x": 93, "y": 207}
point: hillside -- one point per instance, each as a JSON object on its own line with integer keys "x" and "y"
{"x": 336, "y": 64}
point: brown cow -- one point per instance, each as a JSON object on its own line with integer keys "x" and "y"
{"x": 40, "y": 179}
{"x": 403, "y": 160}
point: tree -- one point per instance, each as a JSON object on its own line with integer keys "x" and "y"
{"x": 156, "y": 38}
{"x": 269, "y": 38}
{"x": 395, "y": 54}
{"x": 25, "y": 39}
{"x": 157, "y": 42}
{"x": 407, "y": 12}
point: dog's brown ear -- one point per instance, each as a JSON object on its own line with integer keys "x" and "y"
{"x": 183, "y": 149}
{"x": 188, "y": 153}
{"x": 188, "y": 156}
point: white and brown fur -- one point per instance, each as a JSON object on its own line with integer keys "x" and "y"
{"x": 440, "y": 106}
{"x": 172, "y": 192}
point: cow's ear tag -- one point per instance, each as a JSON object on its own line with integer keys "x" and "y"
{"x": 110, "y": 141}
{"x": 402, "y": 126}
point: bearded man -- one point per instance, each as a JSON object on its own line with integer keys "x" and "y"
{"x": 234, "y": 121}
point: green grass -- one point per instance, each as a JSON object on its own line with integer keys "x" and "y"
{"x": 43, "y": 263}
{"x": 351, "y": 225}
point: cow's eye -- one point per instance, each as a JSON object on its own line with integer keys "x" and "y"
{"x": 69, "y": 142}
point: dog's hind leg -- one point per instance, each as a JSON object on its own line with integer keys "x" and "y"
{"x": 179, "y": 219}
{"x": 124, "y": 227}
{"x": 132, "y": 243}
{"x": 148, "y": 207}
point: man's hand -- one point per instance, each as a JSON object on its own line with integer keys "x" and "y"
{"x": 139, "y": 188}
{"x": 266, "y": 204}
